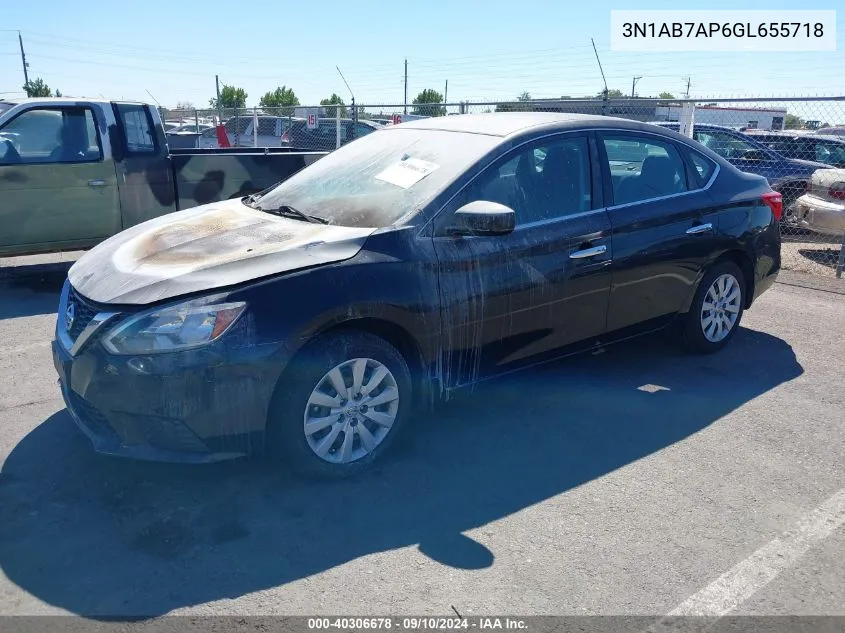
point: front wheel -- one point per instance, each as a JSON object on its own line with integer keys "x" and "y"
{"x": 340, "y": 405}
{"x": 716, "y": 310}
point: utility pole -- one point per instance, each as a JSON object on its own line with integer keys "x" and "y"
{"x": 406, "y": 86}
{"x": 634, "y": 86}
{"x": 446, "y": 93}
{"x": 219, "y": 111}
{"x": 689, "y": 81}
{"x": 23, "y": 61}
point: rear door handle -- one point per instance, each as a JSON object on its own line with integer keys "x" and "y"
{"x": 700, "y": 228}
{"x": 97, "y": 183}
{"x": 588, "y": 252}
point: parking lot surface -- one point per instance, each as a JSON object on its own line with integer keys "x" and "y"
{"x": 639, "y": 480}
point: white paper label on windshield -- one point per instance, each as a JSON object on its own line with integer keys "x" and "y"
{"x": 407, "y": 172}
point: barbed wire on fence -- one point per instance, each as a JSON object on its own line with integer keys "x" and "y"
{"x": 797, "y": 143}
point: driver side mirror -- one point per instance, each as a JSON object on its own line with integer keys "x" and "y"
{"x": 481, "y": 217}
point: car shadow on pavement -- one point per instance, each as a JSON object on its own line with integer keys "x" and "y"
{"x": 109, "y": 538}
{"x": 30, "y": 290}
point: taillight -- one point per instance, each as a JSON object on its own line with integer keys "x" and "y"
{"x": 837, "y": 191}
{"x": 285, "y": 138}
{"x": 774, "y": 201}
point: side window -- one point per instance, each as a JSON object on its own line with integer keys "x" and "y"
{"x": 266, "y": 127}
{"x": 544, "y": 181}
{"x": 643, "y": 167}
{"x": 138, "y": 128}
{"x": 362, "y": 130}
{"x": 724, "y": 144}
{"x": 704, "y": 167}
{"x": 51, "y": 135}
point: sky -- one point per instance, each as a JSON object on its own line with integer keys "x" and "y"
{"x": 486, "y": 50}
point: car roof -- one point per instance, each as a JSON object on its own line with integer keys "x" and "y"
{"x": 508, "y": 123}
{"x": 67, "y": 101}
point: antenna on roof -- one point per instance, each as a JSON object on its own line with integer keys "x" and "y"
{"x": 600, "y": 68}
{"x": 154, "y": 99}
{"x": 354, "y": 110}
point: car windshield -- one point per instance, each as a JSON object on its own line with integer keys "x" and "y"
{"x": 381, "y": 178}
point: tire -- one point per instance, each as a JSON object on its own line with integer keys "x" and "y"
{"x": 702, "y": 335}
{"x": 336, "y": 414}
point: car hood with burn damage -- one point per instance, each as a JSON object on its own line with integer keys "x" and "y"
{"x": 204, "y": 248}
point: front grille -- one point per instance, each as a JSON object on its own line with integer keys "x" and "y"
{"x": 83, "y": 314}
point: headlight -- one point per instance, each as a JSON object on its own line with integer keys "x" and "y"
{"x": 173, "y": 328}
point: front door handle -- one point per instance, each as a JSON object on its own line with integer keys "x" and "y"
{"x": 97, "y": 183}
{"x": 700, "y": 228}
{"x": 588, "y": 252}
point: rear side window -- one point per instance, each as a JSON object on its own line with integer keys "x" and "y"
{"x": 703, "y": 168}
{"x": 643, "y": 167}
{"x": 137, "y": 128}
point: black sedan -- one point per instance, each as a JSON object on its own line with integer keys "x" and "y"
{"x": 823, "y": 149}
{"x": 310, "y": 321}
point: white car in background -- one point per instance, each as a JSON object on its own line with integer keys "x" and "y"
{"x": 822, "y": 208}
{"x": 239, "y": 131}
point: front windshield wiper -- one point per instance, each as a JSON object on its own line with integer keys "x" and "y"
{"x": 288, "y": 211}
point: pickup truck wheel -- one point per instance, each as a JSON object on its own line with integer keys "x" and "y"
{"x": 716, "y": 310}
{"x": 341, "y": 405}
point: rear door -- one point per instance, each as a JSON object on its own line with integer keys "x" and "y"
{"x": 508, "y": 300}
{"x": 663, "y": 225}
{"x": 57, "y": 182}
{"x": 147, "y": 187}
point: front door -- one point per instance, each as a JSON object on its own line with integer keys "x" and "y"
{"x": 509, "y": 300}
{"x": 58, "y": 187}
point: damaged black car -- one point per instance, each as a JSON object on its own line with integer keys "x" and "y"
{"x": 311, "y": 321}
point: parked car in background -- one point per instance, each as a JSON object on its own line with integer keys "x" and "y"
{"x": 170, "y": 125}
{"x": 239, "y": 131}
{"x": 324, "y": 137}
{"x": 822, "y": 208}
{"x": 789, "y": 176}
{"x": 191, "y": 128}
{"x": 814, "y": 147}
{"x": 838, "y": 131}
{"x": 313, "y": 319}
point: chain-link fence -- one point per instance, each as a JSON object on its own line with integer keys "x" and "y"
{"x": 797, "y": 144}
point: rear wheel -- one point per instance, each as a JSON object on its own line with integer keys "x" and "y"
{"x": 716, "y": 310}
{"x": 340, "y": 406}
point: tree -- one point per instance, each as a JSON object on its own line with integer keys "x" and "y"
{"x": 37, "y": 88}
{"x": 516, "y": 107}
{"x": 424, "y": 103}
{"x": 334, "y": 100}
{"x": 58, "y": 92}
{"x": 283, "y": 98}
{"x": 793, "y": 122}
{"x": 187, "y": 105}
{"x": 230, "y": 97}
{"x": 613, "y": 94}
{"x": 665, "y": 95}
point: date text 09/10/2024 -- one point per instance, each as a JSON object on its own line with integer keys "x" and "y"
{"x": 417, "y": 623}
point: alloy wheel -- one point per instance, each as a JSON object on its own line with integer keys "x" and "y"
{"x": 720, "y": 309}
{"x": 351, "y": 410}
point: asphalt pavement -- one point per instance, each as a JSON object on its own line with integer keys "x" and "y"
{"x": 635, "y": 481}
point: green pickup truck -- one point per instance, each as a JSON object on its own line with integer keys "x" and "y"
{"x": 75, "y": 172}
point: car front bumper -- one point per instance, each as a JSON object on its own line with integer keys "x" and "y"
{"x": 190, "y": 407}
{"x": 821, "y": 216}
